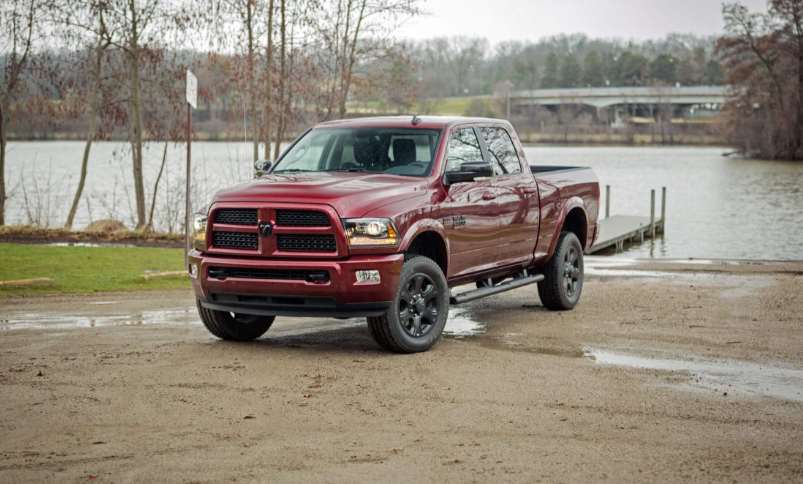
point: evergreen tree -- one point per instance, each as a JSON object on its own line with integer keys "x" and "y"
{"x": 525, "y": 73}
{"x": 664, "y": 69}
{"x": 550, "y": 79}
{"x": 713, "y": 73}
{"x": 570, "y": 71}
{"x": 593, "y": 75}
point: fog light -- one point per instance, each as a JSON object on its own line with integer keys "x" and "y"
{"x": 367, "y": 276}
{"x": 194, "y": 271}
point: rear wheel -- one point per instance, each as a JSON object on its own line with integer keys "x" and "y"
{"x": 563, "y": 275}
{"x": 416, "y": 317}
{"x": 234, "y": 326}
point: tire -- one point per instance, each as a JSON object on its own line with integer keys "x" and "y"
{"x": 561, "y": 288}
{"x": 417, "y": 316}
{"x": 234, "y": 327}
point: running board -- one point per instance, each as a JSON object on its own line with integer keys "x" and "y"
{"x": 490, "y": 291}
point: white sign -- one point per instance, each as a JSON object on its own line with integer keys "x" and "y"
{"x": 192, "y": 89}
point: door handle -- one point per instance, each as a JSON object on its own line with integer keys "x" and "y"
{"x": 530, "y": 191}
{"x": 488, "y": 196}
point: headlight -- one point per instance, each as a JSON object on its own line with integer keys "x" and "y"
{"x": 199, "y": 231}
{"x": 367, "y": 232}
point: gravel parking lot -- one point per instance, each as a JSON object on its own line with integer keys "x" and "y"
{"x": 668, "y": 370}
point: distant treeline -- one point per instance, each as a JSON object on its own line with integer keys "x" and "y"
{"x": 462, "y": 66}
{"x": 428, "y": 69}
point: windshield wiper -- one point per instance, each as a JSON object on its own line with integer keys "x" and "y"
{"x": 351, "y": 169}
{"x": 291, "y": 170}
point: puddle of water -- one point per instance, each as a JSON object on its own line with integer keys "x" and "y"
{"x": 460, "y": 324}
{"x": 593, "y": 271}
{"x": 87, "y": 244}
{"x": 598, "y": 261}
{"x": 177, "y": 316}
{"x": 511, "y": 342}
{"x": 733, "y": 377}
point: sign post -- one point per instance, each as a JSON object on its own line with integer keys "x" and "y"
{"x": 192, "y": 103}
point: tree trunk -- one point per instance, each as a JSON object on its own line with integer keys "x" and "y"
{"x": 156, "y": 186}
{"x": 269, "y": 82}
{"x": 94, "y": 106}
{"x": 252, "y": 84}
{"x": 798, "y": 21}
{"x": 352, "y": 58}
{"x": 136, "y": 115}
{"x": 282, "y": 76}
{"x": 2, "y": 164}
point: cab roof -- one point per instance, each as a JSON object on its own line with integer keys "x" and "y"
{"x": 406, "y": 121}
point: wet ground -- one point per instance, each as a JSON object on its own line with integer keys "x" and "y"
{"x": 667, "y": 370}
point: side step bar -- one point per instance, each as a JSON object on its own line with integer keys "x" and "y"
{"x": 490, "y": 291}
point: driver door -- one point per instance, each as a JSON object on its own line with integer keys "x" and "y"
{"x": 470, "y": 214}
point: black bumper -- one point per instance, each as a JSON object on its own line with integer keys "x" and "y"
{"x": 294, "y": 306}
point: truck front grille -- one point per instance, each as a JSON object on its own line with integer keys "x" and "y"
{"x": 237, "y": 216}
{"x": 236, "y": 240}
{"x": 306, "y": 243}
{"x": 302, "y": 218}
{"x": 275, "y": 274}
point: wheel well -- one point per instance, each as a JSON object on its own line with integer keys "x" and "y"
{"x": 431, "y": 245}
{"x": 577, "y": 224}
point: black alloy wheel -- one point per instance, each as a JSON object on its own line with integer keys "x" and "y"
{"x": 418, "y": 306}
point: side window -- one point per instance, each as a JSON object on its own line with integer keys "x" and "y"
{"x": 503, "y": 154}
{"x": 464, "y": 147}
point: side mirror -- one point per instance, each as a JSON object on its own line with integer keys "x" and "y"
{"x": 262, "y": 166}
{"x": 469, "y": 172}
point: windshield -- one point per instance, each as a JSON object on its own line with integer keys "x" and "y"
{"x": 398, "y": 151}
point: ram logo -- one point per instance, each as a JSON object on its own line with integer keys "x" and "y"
{"x": 265, "y": 229}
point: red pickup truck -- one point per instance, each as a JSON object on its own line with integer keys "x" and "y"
{"x": 380, "y": 218}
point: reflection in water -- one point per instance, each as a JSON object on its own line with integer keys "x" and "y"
{"x": 460, "y": 324}
{"x": 57, "y": 320}
{"x": 726, "y": 376}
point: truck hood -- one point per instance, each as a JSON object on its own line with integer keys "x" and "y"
{"x": 351, "y": 194}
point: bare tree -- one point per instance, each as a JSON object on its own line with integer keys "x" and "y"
{"x": 89, "y": 14}
{"x": 19, "y": 22}
{"x": 137, "y": 28}
{"x": 282, "y": 76}
{"x": 763, "y": 56}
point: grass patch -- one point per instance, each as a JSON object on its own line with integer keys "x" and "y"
{"x": 88, "y": 269}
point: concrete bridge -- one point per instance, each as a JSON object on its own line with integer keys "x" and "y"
{"x": 617, "y": 103}
{"x": 601, "y": 97}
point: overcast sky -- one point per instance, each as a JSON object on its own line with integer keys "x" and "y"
{"x": 499, "y": 20}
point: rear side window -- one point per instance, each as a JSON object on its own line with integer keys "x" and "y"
{"x": 463, "y": 148}
{"x": 504, "y": 158}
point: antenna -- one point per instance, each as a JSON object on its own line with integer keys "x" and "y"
{"x": 416, "y": 120}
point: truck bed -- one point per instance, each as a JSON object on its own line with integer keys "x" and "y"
{"x": 545, "y": 169}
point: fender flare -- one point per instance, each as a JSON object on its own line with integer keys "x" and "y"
{"x": 421, "y": 226}
{"x": 568, "y": 206}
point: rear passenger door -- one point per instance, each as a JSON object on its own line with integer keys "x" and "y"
{"x": 517, "y": 198}
{"x": 469, "y": 216}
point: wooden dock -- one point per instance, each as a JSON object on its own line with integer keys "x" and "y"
{"x": 616, "y": 230}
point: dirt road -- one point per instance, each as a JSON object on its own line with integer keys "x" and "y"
{"x": 687, "y": 371}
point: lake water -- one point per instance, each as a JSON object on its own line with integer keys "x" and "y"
{"x": 717, "y": 207}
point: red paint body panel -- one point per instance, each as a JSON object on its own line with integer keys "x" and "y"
{"x": 503, "y": 223}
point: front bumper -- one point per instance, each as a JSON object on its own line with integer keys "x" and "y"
{"x": 342, "y": 296}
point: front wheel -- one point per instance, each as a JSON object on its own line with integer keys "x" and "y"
{"x": 563, "y": 275}
{"x": 233, "y": 326}
{"x": 417, "y": 316}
